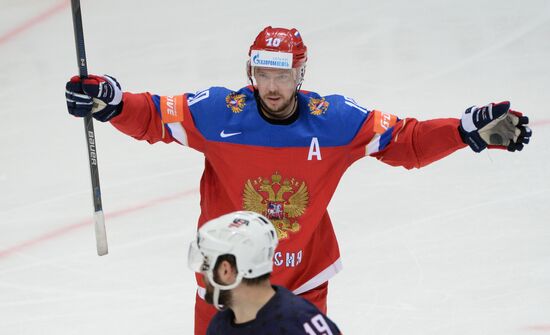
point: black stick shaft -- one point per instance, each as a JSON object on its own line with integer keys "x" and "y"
{"x": 79, "y": 38}
{"x": 89, "y": 131}
{"x": 88, "y": 123}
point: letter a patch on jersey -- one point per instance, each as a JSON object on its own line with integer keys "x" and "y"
{"x": 171, "y": 108}
{"x": 383, "y": 121}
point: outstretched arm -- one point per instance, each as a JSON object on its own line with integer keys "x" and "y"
{"x": 413, "y": 144}
{"x": 143, "y": 116}
{"x": 139, "y": 118}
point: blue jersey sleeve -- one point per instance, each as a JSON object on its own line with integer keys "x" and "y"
{"x": 299, "y": 316}
{"x": 346, "y": 117}
{"x": 312, "y": 322}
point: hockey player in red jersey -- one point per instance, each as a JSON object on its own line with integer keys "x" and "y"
{"x": 296, "y": 145}
{"x": 234, "y": 254}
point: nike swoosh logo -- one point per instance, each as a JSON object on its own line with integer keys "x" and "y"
{"x": 223, "y": 134}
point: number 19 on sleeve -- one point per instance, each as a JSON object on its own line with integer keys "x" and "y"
{"x": 317, "y": 326}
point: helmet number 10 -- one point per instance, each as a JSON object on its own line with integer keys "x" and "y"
{"x": 273, "y": 42}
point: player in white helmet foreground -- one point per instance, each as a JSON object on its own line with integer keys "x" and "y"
{"x": 234, "y": 254}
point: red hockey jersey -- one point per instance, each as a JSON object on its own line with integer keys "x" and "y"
{"x": 287, "y": 172}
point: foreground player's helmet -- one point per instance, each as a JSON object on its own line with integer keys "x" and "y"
{"x": 278, "y": 48}
{"x": 248, "y": 236}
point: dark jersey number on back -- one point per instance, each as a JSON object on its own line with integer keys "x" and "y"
{"x": 317, "y": 326}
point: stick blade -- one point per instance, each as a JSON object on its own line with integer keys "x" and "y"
{"x": 100, "y": 234}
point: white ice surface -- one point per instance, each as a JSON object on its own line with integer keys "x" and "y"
{"x": 459, "y": 247}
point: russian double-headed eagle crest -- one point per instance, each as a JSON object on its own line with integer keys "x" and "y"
{"x": 280, "y": 200}
{"x": 235, "y": 102}
{"x": 318, "y": 106}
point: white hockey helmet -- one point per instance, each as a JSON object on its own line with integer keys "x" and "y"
{"x": 248, "y": 236}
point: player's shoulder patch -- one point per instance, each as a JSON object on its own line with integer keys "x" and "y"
{"x": 318, "y": 106}
{"x": 383, "y": 121}
{"x": 171, "y": 108}
{"x": 235, "y": 101}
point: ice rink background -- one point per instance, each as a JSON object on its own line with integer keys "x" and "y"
{"x": 459, "y": 247}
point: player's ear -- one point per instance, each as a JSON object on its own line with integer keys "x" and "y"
{"x": 226, "y": 272}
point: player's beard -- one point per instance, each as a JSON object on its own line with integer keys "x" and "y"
{"x": 276, "y": 113}
{"x": 225, "y": 297}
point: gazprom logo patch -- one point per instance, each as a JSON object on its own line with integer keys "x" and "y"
{"x": 278, "y": 60}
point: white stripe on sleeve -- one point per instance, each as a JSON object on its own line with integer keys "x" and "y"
{"x": 178, "y": 132}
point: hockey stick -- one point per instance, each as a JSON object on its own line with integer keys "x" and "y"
{"x": 99, "y": 219}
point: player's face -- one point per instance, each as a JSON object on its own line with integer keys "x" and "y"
{"x": 276, "y": 88}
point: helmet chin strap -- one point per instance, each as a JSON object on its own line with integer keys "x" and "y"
{"x": 218, "y": 287}
{"x": 216, "y": 298}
